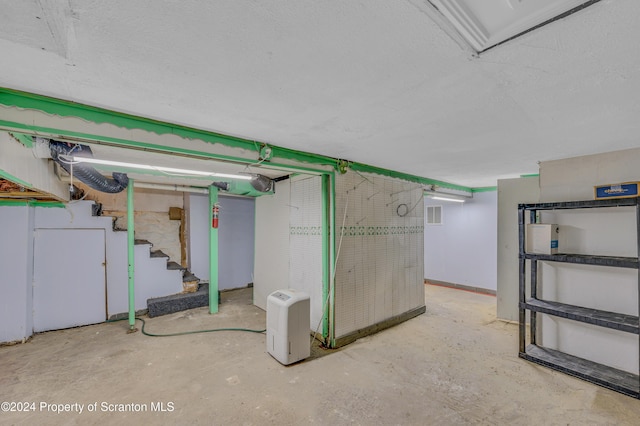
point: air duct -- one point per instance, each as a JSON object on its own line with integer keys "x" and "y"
{"x": 258, "y": 185}
{"x": 84, "y": 172}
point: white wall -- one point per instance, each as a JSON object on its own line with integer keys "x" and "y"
{"x": 235, "y": 239}
{"x": 78, "y": 215}
{"x": 16, "y": 264}
{"x": 511, "y": 192}
{"x": 305, "y": 239}
{"x": 610, "y": 231}
{"x": 574, "y": 178}
{"x": 463, "y": 250}
{"x": 271, "y": 266}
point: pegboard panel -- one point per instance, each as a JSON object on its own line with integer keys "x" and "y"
{"x": 380, "y": 231}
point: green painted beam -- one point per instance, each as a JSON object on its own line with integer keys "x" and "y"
{"x": 12, "y": 178}
{"x": 25, "y": 140}
{"x": 64, "y": 108}
{"x": 124, "y": 143}
{"x": 484, "y": 189}
{"x": 326, "y": 255}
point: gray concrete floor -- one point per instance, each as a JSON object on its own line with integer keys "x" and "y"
{"x": 456, "y": 364}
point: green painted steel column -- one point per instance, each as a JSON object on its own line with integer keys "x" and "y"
{"x": 131, "y": 257}
{"x": 213, "y": 253}
{"x": 326, "y": 256}
{"x": 332, "y": 241}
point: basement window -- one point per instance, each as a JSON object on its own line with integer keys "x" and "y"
{"x": 434, "y": 215}
{"x": 484, "y": 24}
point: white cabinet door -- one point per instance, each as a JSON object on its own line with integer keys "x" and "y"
{"x": 69, "y": 278}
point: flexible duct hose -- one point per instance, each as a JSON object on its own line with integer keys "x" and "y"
{"x": 86, "y": 173}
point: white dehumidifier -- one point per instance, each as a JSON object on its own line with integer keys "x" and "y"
{"x": 288, "y": 326}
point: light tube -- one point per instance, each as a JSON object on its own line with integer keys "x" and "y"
{"x": 448, "y": 199}
{"x": 159, "y": 168}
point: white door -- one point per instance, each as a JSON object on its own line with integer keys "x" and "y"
{"x": 69, "y": 278}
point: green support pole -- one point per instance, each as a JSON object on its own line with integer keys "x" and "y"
{"x": 326, "y": 257}
{"x": 213, "y": 253}
{"x": 332, "y": 242}
{"x": 131, "y": 257}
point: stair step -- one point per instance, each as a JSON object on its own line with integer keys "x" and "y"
{"x": 179, "y": 302}
{"x": 158, "y": 253}
{"x": 141, "y": 242}
{"x": 188, "y": 276}
{"x": 175, "y": 266}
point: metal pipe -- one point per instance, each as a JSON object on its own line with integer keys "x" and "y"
{"x": 167, "y": 187}
{"x": 213, "y": 253}
{"x": 131, "y": 257}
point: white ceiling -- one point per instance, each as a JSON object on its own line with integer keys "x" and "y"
{"x": 374, "y": 81}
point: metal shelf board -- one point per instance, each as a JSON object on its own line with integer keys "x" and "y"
{"x": 593, "y": 372}
{"x": 586, "y": 204}
{"x": 613, "y": 320}
{"x": 585, "y": 259}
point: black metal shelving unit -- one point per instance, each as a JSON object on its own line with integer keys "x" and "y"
{"x": 603, "y": 375}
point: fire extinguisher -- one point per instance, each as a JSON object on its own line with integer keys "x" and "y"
{"x": 216, "y": 211}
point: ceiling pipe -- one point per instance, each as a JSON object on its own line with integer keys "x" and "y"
{"x": 168, "y": 187}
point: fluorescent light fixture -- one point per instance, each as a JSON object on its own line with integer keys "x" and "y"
{"x": 486, "y": 23}
{"x": 159, "y": 168}
{"x": 457, "y": 200}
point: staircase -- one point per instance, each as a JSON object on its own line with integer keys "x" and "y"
{"x": 157, "y": 276}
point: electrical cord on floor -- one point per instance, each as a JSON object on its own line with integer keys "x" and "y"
{"x": 182, "y": 333}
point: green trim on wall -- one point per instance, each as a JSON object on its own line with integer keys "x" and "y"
{"x": 14, "y": 179}
{"x": 485, "y": 189}
{"x": 32, "y": 203}
{"x": 25, "y": 140}
{"x": 40, "y": 203}
{"x": 530, "y": 175}
{"x": 369, "y": 231}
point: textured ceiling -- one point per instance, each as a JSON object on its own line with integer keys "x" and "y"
{"x": 374, "y": 81}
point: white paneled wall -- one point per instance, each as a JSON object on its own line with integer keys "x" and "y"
{"x": 271, "y": 262}
{"x": 305, "y": 241}
{"x": 379, "y": 272}
{"x": 16, "y": 264}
